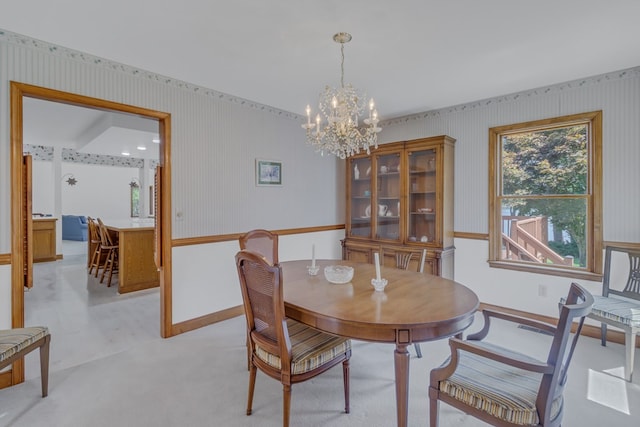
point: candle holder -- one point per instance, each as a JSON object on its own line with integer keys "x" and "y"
{"x": 379, "y": 285}
{"x": 313, "y": 271}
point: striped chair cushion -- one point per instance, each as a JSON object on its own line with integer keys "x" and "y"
{"x": 503, "y": 391}
{"x": 13, "y": 341}
{"x": 620, "y": 310}
{"x": 310, "y": 348}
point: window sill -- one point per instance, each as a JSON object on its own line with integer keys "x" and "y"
{"x": 550, "y": 271}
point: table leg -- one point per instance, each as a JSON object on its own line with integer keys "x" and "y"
{"x": 401, "y": 362}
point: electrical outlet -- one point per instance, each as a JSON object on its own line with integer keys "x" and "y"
{"x": 542, "y": 290}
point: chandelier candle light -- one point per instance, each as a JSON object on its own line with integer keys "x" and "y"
{"x": 341, "y": 108}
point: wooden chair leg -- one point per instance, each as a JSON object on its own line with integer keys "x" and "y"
{"x": 418, "y": 350}
{"x": 108, "y": 265}
{"x": 93, "y": 257}
{"x": 248, "y": 354}
{"x": 286, "y": 404}
{"x": 104, "y": 267}
{"x": 112, "y": 263}
{"x": 44, "y": 365}
{"x": 433, "y": 412}
{"x": 98, "y": 265}
{"x": 252, "y": 385}
{"x": 345, "y": 379}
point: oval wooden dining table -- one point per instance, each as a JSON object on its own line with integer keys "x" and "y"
{"x": 414, "y": 307}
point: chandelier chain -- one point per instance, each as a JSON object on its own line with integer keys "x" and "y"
{"x": 342, "y": 66}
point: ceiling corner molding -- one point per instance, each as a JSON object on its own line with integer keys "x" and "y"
{"x": 546, "y": 90}
{"x": 63, "y": 52}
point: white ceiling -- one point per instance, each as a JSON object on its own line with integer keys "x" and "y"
{"x": 87, "y": 130}
{"x": 410, "y": 55}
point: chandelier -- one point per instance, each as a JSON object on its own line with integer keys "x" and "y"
{"x": 342, "y": 135}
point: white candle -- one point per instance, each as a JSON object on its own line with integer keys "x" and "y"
{"x": 308, "y": 116}
{"x": 313, "y": 256}
{"x": 377, "y": 258}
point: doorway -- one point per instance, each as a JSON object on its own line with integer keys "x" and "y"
{"x": 19, "y": 195}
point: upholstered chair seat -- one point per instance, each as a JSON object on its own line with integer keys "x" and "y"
{"x": 310, "y": 348}
{"x": 619, "y": 310}
{"x": 502, "y": 391}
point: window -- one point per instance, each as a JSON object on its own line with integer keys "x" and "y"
{"x": 135, "y": 199}
{"x": 545, "y": 196}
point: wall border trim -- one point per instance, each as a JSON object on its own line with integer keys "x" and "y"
{"x": 67, "y": 53}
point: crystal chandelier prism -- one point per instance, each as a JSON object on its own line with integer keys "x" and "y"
{"x": 340, "y": 132}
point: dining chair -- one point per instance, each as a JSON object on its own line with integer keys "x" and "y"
{"x": 283, "y": 348}
{"x": 108, "y": 245}
{"x": 620, "y": 307}
{"x": 263, "y": 242}
{"x": 94, "y": 242}
{"x": 403, "y": 261}
{"x": 503, "y": 387}
{"x": 18, "y": 342}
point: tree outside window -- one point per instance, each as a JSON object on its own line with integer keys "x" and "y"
{"x": 545, "y": 186}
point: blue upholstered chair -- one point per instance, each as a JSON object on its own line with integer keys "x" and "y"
{"x": 620, "y": 307}
{"x": 18, "y": 342}
{"x": 503, "y": 387}
{"x": 74, "y": 227}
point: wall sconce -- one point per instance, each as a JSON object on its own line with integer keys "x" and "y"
{"x": 134, "y": 183}
{"x": 70, "y": 179}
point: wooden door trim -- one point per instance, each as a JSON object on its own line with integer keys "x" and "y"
{"x": 17, "y": 92}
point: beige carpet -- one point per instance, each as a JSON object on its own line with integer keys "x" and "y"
{"x": 200, "y": 379}
{"x": 110, "y": 368}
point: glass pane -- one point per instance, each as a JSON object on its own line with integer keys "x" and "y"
{"x": 388, "y": 197}
{"x": 361, "y": 197}
{"x": 545, "y": 230}
{"x": 545, "y": 162}
{"x": 135, "y": 201}
{"x": 422, "y": 196}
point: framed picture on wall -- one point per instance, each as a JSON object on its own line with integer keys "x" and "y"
{"x": 268, "y": 172}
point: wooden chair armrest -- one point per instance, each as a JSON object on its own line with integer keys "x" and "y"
{"x": 458, "y": 345}
{"x": 488, "y": 314}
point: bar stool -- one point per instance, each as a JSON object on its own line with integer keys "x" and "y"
{"x": 111, "y": 248}
{"x": 95, "y": 242}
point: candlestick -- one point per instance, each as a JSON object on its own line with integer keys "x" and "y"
{"x": 313, "y": 256}
{"x": 377, "y": 259}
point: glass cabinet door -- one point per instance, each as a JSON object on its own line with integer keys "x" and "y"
{"x": 422, "y": 195}
{"x": 388, "y": 186}
{"x": 360, "y": 211}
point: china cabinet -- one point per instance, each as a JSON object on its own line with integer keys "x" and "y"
{"x": 401, "y": 197}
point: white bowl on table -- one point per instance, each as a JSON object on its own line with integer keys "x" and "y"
{"x": 338, "y": 274}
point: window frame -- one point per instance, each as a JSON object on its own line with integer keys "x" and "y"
{"x": 593, "y": 269}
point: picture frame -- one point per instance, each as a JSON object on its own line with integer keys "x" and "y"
{"x": 268, "y": 173}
